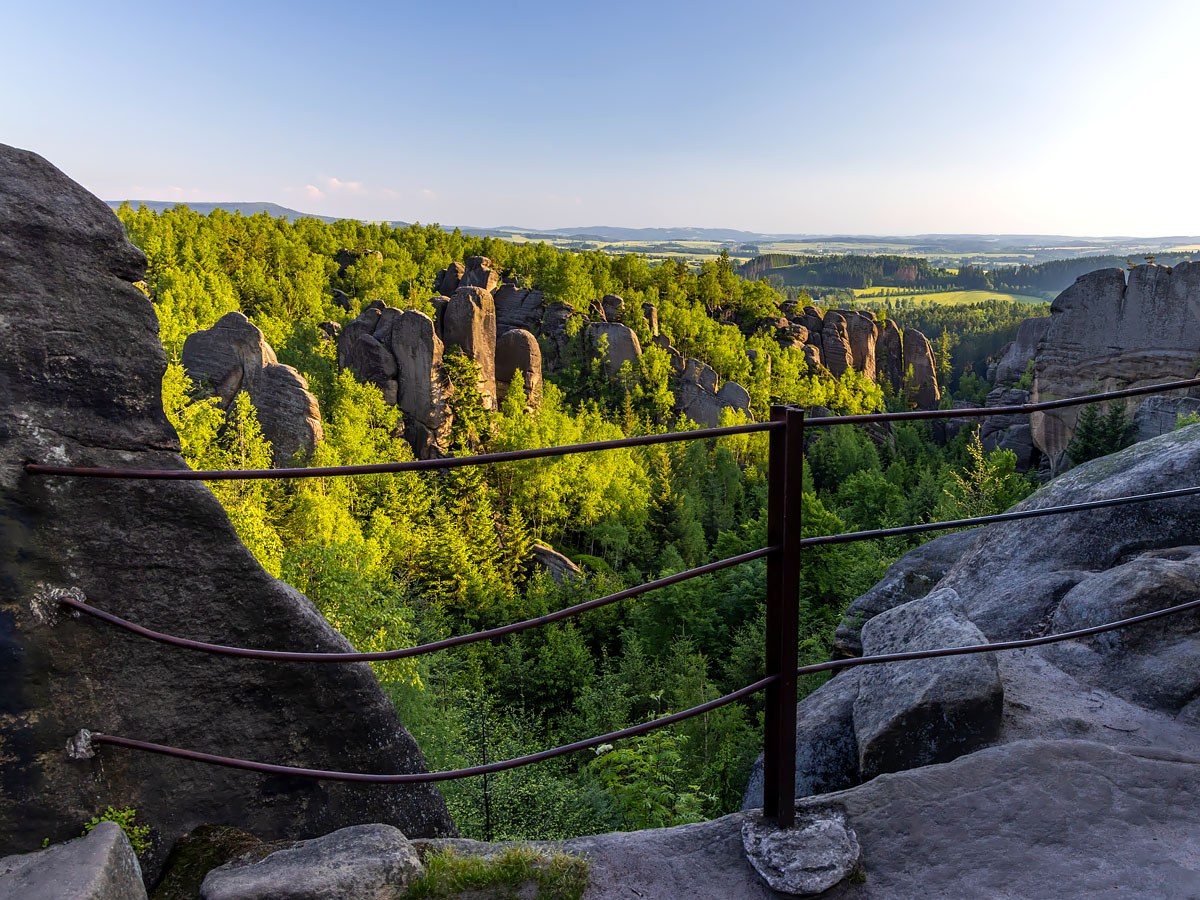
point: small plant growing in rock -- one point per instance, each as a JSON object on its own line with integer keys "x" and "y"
{"x": 139, "y": 835}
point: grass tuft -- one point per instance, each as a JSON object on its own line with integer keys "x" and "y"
{"x": 557, "y": 875}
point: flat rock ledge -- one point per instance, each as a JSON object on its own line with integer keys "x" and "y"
{"x": 101, "y": 866}
{"x": 809, "y": 857}
{"x": 362, "y": 862}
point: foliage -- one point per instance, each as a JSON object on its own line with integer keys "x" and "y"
{"x": 1184, "y": 420}
{"x": 988, "y": 485}
{"x": 557, "y": 875}
{"x": 1099, "y": 434}
{"x": 139, "y": 835}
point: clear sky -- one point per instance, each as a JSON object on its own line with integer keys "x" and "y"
{"x": 1034, "y": 116}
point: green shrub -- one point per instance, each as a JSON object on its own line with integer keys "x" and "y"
{"x": 139, "y": 835}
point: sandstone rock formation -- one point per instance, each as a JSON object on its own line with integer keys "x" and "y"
{"x": 163, "y": 554}
{"x": 554, "y": 564}
{"x": 1010, "y": 432}
{"x": 1105, "y": 334}
{"x": 478, "y": 274}
{"x": 889, "y": 355}
{"x": 1016, "y": 356}
{"x": 622, "y": 345}
{"x": 424, "y": 386}
{"x": 101, "y": 866}
{"x": 1159, "y": 414}
{"x": 918, "y": 357}
{"x": 470, "y": 323}
{"x": 698, "y": 397}
{"x": 517, "y": 351}
{"x": 835, "y": 344}
{"x": 233, "y": 356}
{"x": 518, "y": 308}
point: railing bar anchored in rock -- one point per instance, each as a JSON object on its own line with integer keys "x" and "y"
{"x": 85, "y": 738}
{"x": 380, "y": 655}
{"x": 83, "y": 743}
{"x": 853, "y": 536}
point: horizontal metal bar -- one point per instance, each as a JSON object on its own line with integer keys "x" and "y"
{"x": 380, "y": 655}
{"x": 419, "y": 777}
{"x": 852, "y": 536}
{"x": 416, "y": 465}
{"x": 827, "y": 421}
{"x": 836, "y": 664}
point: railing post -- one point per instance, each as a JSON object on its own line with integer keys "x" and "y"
{"x": 784, "y": 486}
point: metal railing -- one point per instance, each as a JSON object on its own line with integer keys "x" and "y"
{"x": 786, "y": 430}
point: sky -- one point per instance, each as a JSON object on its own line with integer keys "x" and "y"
{"x": 851, "y": 117}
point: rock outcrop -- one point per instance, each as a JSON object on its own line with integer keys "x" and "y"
{"x": 470, "y": 323}
{"x": 1013, "y": 580}
{"x": 1010, "y": 432}
{"x": 1016, "y": 356}
{"x": 1106, "y": 334}
{"x": 922, "y": 384}
{"x": 620, "y": 343}
{"x": 233, "y": 356}
{"x": 518, "y": 308}
{"x": 517, "y": 351}
{"x": 163, "y": 554}
{"x": 101, "y": 866}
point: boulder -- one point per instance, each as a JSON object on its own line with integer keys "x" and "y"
{"x": 613, "y": 306}
{"x": 861, "y": 332}
{"x": 734, "y": 396}
{"x": 554, "y": 564}
{"x": 1010, "y": 432}
{"x": 342, "y": 300}
{"x": 518, "y": 308}
{"x": 100, "y": 866}
{"x": 447, "y": 280}
{"x": 922, "y": 387}
{"x": 835, "y": 344}
{"x": 362, "y": 862}
{"x": 163, "y": 554}
{"x": 330, "y": 331}
{"x": 424, "y": 386}
{"x": 1159, "y": 414}
{"x": 556, "y": 325}
{"x": 699, "y": 405}
{"x": 1105, "y": 334}
{"x": 233, "y": 356}
{"x": 812, "y": 319}
{"x": 369, "y": 360}
{"x": 911, "y": 577}
{"x": 650, "y": 311}
{"x": 518, "y": 350}
{"x": 818, "y": 851}
{"x": 812, "y": 356}
{"x": 1017, "y": 356}
{"x": 471, "y": 325}
{"x": 622, "y": 345}
{"x": 478, "y": 274}
{"x": 917, "y": 713}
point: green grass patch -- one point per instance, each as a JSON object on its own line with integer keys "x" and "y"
{"x": 899, "y": 295}
{"x": 558, "y": 876}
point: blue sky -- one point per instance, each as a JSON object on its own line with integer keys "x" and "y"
{"x": 851, "y": 117}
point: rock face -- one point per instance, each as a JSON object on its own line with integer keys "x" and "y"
{"x": 1010, "y": 432}
{"x": 478, "y": 274}
{"x": 1160, "y": 414}
{"x": 471, "y": 324}
{"x": 1017, "y": 356}
{"x": 518, "y": 308}
{"x": 518, "y": 351}
{"x": 835, "y": 344}
{"x": 363, "y": 862}
{"x": 889, "y": 355}
{"x": 1105, "y": 334}
{"x": 554, "y": 564}
{"x": 101, "y": 866}
{"x": 918, "y": 354}
{"x": 623, "y": 345}
{"x": 698, "y": 398}
{"x": 159, "y": 553}
{"x": 233, "y": 356}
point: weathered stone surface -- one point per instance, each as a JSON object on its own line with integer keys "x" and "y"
{"x": 161, "y": 554}
{"x": 812, "y": 356}
{"x": 368, "y": 359}
{"x": 861, "y": 332}
{"x": 921, "y": 712}
{"x": 734, "y": 396}
{"x": 330, "y": 330}
{"x": 1105, "y": 335}
{"x": 613, "y": 306}
{"x": 554, "y": 564}
{"x": 362, "y": 862}
{"x": 810, "y": 857}
{"x": 288, "y": 413}
{"x": 826, "y": 748}
{"x": 518, "y": 350}
{"x": 342, "y": 300}
{"x": 1159, "y": 414}
{"x": 1010, "y": 432}
{"x": 471, "y": 324}
{"x": 835, "y": 344}
{"x": 227, "y": 358}
{"x": 446, "y": 281}
{"x": 889, "y": 355}
{"x": 946, "y": 430}
{"x": 101, "y": 866}
{"x": 918, "y": 354}
{"x": 479, "y": 274}
{"x": 650, "y": 311}
{"x": 196, "y": 854}
{"x": 1011, "y": 365}
{"x": 813, "y": 320}
{"x": 623, "y": 345}
{"x": 556, "y": 323}
{"x": 911, "y": 577}
{"x": 518, "y": 308}
{"x": 424, "y": 386}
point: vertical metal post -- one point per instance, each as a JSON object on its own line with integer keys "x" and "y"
{"x": 784, "y": 486}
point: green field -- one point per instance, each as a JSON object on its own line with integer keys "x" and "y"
{"x": 895, "y": 296}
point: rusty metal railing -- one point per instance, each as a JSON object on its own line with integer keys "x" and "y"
{"x": 786, "y": 429}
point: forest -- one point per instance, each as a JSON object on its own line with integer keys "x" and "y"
{"x": 396, "y": 559}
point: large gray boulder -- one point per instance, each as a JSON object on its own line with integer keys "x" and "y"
{"x": 470, "y": 324}
{"x": 518, "y": 308}
{"x": 1105, "y": 334}
{"x": 362, "y": 862}
{"x": 918, "y": 357}
{"x": 1159, "y": 414}
{"x": 233, "y": 356}
{"x": 101, "y": 866}
{"x": 862, "y": 331}
{"x": 478, "y": 274}
{"x": 889, "y": 355}
{"x": 370, "y": 361}
{"x": 424, "y": 386}
{"x": 920, "y": 712}
{"x": 621, "y": 342}
{"x": 163, "y": 554}
{"x": 517, "y": 351}
{"x": 836, "y": 353}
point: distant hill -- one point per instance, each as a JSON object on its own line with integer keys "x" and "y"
{"x": 245, "y": 208}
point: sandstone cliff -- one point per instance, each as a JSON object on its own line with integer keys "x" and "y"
{"x": 162, "y": 554}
